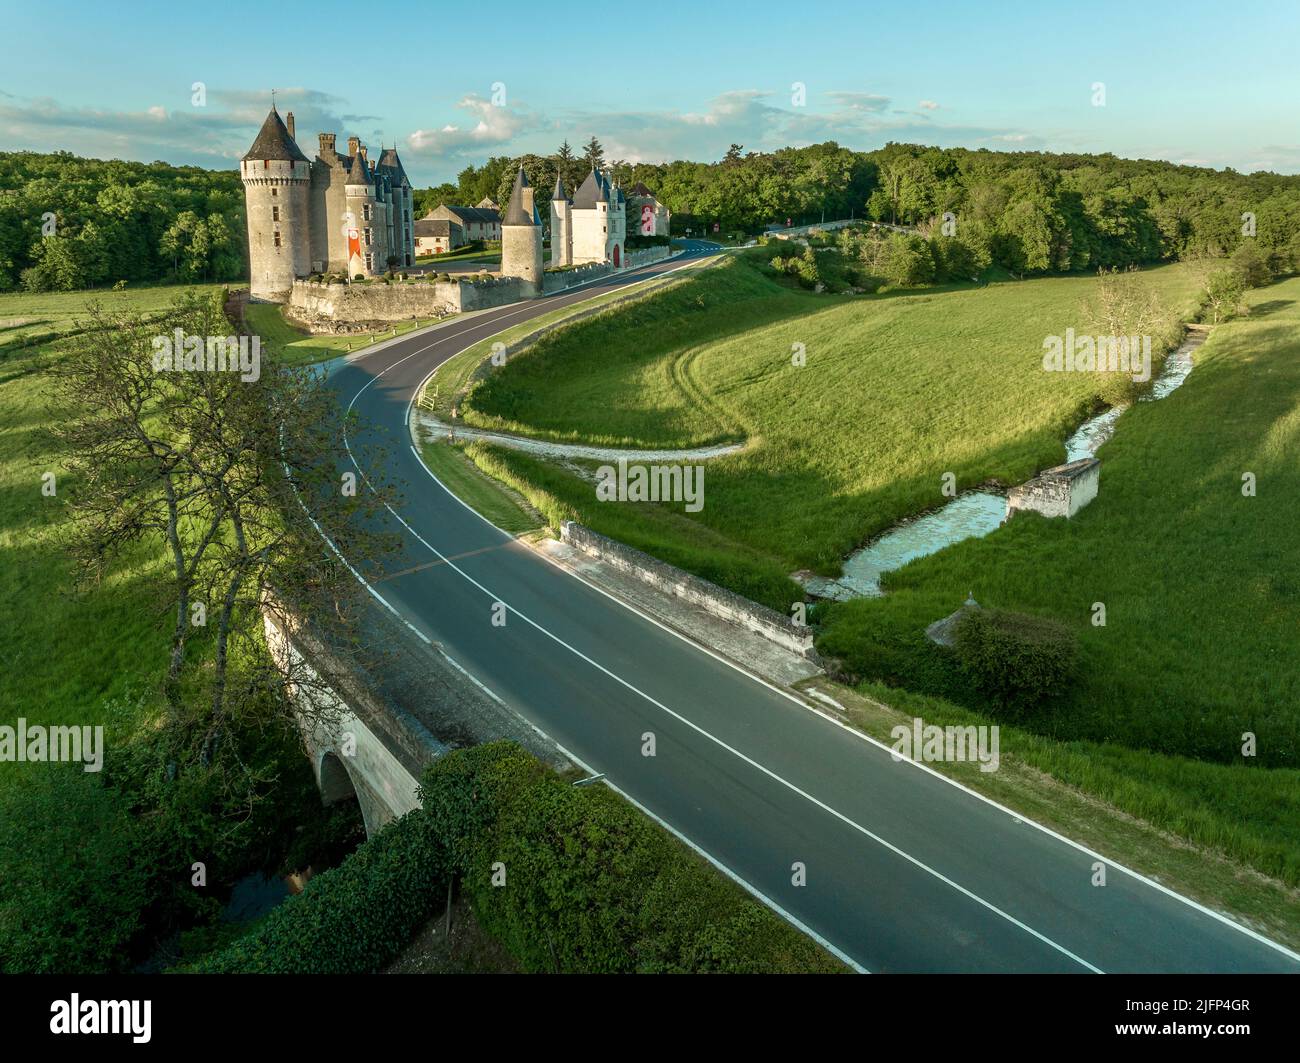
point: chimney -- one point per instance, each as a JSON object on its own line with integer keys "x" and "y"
{"x": 353, "y": 144}
{"x": 326, "y": 143}
{"x": 289, "y": 122}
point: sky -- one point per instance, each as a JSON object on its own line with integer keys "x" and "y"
{"x": 1209, "y": 84}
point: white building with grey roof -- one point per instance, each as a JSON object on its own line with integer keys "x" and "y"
{"x": 590, "y": 227}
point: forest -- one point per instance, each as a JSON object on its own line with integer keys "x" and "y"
{"x": 68, "y": 223}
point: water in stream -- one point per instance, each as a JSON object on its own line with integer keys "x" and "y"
{"x": 976, "y": 513}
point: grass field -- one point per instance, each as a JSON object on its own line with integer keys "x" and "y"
{"x": 897, "y": 390}
{"x": 1201, "y": 584}
{"x": 298, "y": 347}
{"x": 27, "y": 314}
{"x": 68, "y": 656}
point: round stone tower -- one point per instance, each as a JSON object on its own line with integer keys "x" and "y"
{"x": 361, "y": 214}
{"x": 521, "y": 236}
{"x": 277, "y": 180}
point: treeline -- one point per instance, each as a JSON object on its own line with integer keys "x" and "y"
{"x": 1028, "y": 212}
{"x": 69, "y": 223}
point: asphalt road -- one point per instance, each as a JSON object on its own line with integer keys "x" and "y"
{"x": 904, "y": 870}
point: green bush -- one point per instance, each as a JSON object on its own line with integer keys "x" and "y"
{"x": 71, "y": 880}
{"x": 354, "y": 918}
{"x": 1017, "y": 658}
{"x": 591, "y": 884}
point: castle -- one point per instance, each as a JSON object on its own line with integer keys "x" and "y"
{"x": 590, "y": 227}
{"x": 338, "y": 213}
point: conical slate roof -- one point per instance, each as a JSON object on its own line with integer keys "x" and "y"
{"x": 390, "y": 163}
{"x": 591, "y": 192}
{"x": 273, "y": 142}
{"x": 516, "y": 213}
{"x": 558, "y": 194}
{"x": 359, "y": 172}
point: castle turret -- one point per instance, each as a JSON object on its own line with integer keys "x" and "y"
{"x": 360, "y": 193}
{"x": 276, "y": 177}
{"x": 521, "y": 236}
{"x": 561, "y": 237}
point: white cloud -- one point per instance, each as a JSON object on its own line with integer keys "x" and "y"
{"x": 928, "y": 105}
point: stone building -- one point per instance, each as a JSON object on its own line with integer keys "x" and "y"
{"x": 590, "y": 227}
{"x": 436, "y": 236}
{"x": 475, "y": 223}
{"x": 336, "y": 213}
{"x": 521, "y": 236}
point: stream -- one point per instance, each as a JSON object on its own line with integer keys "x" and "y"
{"x": 974, "y": 514}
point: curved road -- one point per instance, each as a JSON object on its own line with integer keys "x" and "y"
{"x": 905, "y": 871}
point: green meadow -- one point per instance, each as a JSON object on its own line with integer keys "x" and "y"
{"x": 26, "y": 316}
{"x": 896, "y": 391}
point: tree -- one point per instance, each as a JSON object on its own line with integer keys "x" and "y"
{"x": 593, "y": 154}
{"x": 238, "y": 473}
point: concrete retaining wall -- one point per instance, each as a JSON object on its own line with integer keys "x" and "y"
{"x": 719, "y": 601}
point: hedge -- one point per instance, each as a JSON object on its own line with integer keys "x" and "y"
{"x": 354, "y": 918}
{"x": 590, "y": 885}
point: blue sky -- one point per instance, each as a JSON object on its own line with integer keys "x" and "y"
{"x": 1202, "y": 83}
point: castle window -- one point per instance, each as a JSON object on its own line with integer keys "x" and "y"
{"x": 277, "y": 237}
{"x": 266, "y": 164}
{"x": 275, "y": 192}
{"x": 365, "y": 212}
{"x": 370, "y": 261}
{"x": 275, "y": 213}
{"x": 368, "y": 232}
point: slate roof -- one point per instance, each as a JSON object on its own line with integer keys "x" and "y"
{"x": 592, "y": 191}
{"x": 273, "y": 142}
{"x": 391, "y": 164}
{"x": 433, "y": 227}
{"x": 480, "y": 214}
{"x": 358, "y": 171}
{"x": 558, "y": 194}
{"x": 515, "y": 212}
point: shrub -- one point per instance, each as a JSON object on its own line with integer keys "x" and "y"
{"x": 354, "y": 918}
{"x": 71, "y": 880}
{"x": 1016, "y": 658}
{"x": 592, "y": 884}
